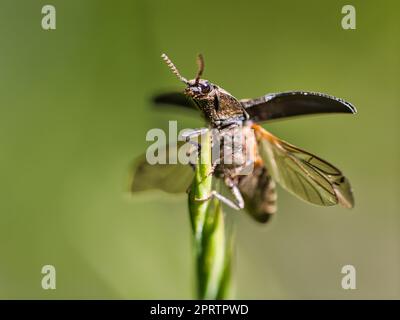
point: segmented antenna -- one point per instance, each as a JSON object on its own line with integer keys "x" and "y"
{"x": 173, "y": 68}
{"x": 200, "y": 63}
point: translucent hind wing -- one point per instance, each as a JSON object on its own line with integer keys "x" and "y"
{"x": 171, "y": 178}
{"x": 305, "y": 175}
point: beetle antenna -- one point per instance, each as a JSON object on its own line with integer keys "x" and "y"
{"x": 200, "y": 63}
{"x": 173, "y": 68}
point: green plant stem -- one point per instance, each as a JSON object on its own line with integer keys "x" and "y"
{"x": 211, "y": 243}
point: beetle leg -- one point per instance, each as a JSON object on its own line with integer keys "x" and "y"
{"x": 192, "y": 133}
{"x": 220, "y": 197}
{"x": 237, "y": 205}
{"x": 212, "y": 169}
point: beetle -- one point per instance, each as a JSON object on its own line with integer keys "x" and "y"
{"x": 271, "y": 159}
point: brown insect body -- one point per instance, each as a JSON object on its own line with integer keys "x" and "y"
{"x": 237, "y": 142}
{"x": 219, "y": 107}
{"x": 258, "y": 158}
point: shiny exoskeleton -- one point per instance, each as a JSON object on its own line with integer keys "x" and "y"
{"x": 251, "y": 159}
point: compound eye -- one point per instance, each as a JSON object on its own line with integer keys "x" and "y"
{"x": 205, "y": 87}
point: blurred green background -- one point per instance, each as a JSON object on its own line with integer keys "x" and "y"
{"x": 74, "y": 112}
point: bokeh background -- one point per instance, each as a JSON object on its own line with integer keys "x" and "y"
{"x": 74, "y": 112}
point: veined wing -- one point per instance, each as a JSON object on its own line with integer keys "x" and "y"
{"x": 171, "y": 178}
{"x": 305, "y": 175}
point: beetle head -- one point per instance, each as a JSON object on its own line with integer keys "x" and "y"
{"x": 197, "y": 88}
